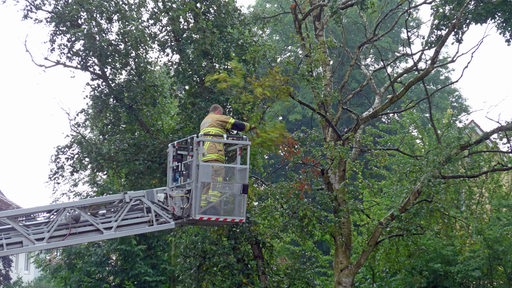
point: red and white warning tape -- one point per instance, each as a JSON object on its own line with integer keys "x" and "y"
{"x": 220, "y": 219}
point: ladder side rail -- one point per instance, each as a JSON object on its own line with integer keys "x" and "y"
{"x": 86, "y": 239}
{"x": 20, "y": 219}
{"x": 139, "y": 215}
{"x": 132, "y": 218}
{"x": 46, "y": 235}
{"x": 83, "y": 202}
{"x": 121, "y": 233}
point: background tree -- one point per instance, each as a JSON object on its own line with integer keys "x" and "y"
{"x": 148, "y": 61}
{"x": 362, "y": 68}
{"x": 378, "y": 150}
{"x": 5, "y": 271}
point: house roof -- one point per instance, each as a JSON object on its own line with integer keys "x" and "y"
{"x": 6, "y": 204}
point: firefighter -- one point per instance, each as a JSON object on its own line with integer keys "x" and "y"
{"x": 215, "y": 123}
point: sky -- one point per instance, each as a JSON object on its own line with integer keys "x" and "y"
{"x": 486, "y": 84}
{"x": 34, "y": 103}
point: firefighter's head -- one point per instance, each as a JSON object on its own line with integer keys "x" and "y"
{"x": 216, "y": 109}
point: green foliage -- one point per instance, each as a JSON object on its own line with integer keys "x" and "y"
{"x": 5, "y": 270}
{"x": 148, "y": 61}
{"x": 461, "y": 247}
{"x": 139, "y": 261}
{"x": 255, "y": 98}
{"x": 297, "y": 231}
{"x": 498, "y": 13}
{"x": 341, "y": 73}
{"x": 39, "y": 282}
{"x": 213, "y": 257}
{"x": 110, "y": 150}
{"x": 203, "y": 36}
{"x": 329, "y": 174}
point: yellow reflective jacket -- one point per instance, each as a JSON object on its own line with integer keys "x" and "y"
{"x": 219, "y": 125}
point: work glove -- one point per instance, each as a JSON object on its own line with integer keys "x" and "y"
{"x": 253, "y": 128}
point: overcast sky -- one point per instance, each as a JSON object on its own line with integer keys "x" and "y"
{"x": 33, "y": 103}
{"x": 32, "y": 110}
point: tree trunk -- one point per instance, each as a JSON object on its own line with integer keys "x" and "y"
{"x": 344, "y": 272}
{"x": 344, "y": 279}
{"x": 257, "y": 253}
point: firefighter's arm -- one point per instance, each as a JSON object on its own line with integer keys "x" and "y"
{"x": 241, "y": 126}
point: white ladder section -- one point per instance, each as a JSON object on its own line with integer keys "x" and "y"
{"x": 94, "y": 219}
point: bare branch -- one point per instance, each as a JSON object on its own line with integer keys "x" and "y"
{"x": 389, "y": 237}
{"x": 487, "y": 151}
{"x": 430, "y": 113}
{"x": 275, "y": 15}
{"x": 476, "y": 175}
{"x": 56, "y": 63}
{"x": 319, "y": 113}
{"x": 399, "y": 151}
{"x": 375, "y": 111}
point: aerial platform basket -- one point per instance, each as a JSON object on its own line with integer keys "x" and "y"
{"x": 195, "y": 179}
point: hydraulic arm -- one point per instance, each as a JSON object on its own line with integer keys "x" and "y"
{"x": 181, "y": 202}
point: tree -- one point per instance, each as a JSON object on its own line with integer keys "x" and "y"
{"x": 148, "y": 61}
{"x": 362, "y": 68}
{"x": 5, "y": 275}
{"x": 383, "y": 153}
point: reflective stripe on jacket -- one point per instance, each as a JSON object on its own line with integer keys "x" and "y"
{"x": 219, "y": 125}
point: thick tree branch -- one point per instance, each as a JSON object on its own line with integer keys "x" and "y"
{"x": 375, "y": 237}
{"x": 486, "y": 136}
